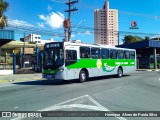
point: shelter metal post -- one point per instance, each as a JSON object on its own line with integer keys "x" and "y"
{"x": 155, "y": 58}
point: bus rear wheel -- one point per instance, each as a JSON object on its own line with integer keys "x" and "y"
{"x": 119, "y": 72}
{"x": 82, "y": 76}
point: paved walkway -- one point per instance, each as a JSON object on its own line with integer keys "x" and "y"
{"x": 148, "y": 69}
{"x": 20, "y": 77}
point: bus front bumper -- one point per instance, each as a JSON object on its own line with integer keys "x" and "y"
{"x": 52, "y": 76}
{"x": 48, "y": 76}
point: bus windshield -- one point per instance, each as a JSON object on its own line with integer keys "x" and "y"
{"x": 53, "y": 57}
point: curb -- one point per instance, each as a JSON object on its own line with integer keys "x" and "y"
{"x": 19, "y": 80}
{"x": 149, "y": 70}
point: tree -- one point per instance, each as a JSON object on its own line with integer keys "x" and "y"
{"x": 129, "y": 39}
{"x": 3, "y": 8}
{"x": 147, "y": 38}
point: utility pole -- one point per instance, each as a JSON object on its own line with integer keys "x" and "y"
{"x": 70, "y": 3}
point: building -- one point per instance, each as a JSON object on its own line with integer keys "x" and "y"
{"x": 5, "y": 37}
{"x": 34, "y": 38}
{"x": 106, "y": 25}
{"x": 148, "y": 53}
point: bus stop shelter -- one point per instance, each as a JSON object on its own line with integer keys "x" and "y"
{"x": 148, "y": 53}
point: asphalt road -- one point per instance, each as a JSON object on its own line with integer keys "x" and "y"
{"x": 138, "y": 91}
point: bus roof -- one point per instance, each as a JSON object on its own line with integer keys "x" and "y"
{"x": 74, "y": 43}
{"x": 94, "y": 45}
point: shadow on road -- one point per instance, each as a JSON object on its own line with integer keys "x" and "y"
{"x": 61, "y": 82}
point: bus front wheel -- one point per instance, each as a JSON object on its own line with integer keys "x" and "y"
{"x": 120, "y": 72}
{"x": 82, "y": 76}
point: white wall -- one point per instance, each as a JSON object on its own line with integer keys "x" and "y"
{"x": 6, "y": 72}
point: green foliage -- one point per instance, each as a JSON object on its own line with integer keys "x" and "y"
{"x": 32, "y": 42}
{"x": 147, "y": 38}
{"x": 129, "y": 39}
{"x": 3, "y": 7}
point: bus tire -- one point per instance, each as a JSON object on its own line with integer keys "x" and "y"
{"x": 119, "y": 72}
{"x": 82, "y": 76}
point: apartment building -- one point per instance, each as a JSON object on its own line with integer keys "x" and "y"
{"x": 106, "y": 25}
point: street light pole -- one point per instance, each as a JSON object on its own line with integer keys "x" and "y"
{"x": 78, "y": 24}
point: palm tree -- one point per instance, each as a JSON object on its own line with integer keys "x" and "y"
{"x": 3, "y": 8}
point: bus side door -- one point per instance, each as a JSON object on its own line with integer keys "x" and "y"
{"x": 71, "y": 58}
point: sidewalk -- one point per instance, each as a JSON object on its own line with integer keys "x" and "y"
{"x": 148, "y": 70}
{"x": 20, "y": 77}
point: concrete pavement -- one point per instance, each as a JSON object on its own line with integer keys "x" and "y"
{"x": 137, "y": 91}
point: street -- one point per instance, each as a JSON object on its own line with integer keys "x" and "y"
{"x": 137, "y": 91}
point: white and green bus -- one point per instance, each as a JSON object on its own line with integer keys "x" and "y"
{"x": 76, "y": 60}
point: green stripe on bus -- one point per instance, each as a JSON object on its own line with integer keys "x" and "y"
{"x": 92, "y": 63}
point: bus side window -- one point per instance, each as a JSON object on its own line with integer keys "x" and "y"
{"x": 132, "y": 55}
{"x": 71, "y": 55}
{"x": 120, "y": 54}
{"x": 112, "y": 54}
{"x": 104, "y": 53}
{"x": 84, "y": 52}
{"x": 95, "y": 53}
{"x": 126, "y": 55}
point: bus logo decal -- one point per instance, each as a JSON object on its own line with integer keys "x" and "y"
{"x": 99, "y": 63}
{"x": 108, "y": 68}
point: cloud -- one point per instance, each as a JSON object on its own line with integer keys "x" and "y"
{"x": 42, "y": 17}
{"x": 88, "y": 32}
{"x": 54, "y": 20}
{"x": 41, "y": 25}
{"x": 72, "y": 35}
{"x": 19, "y": 23}
{"x": 85, "y": 33}
{"x": 49, "y": 8}
{"x": 57, "y": 1}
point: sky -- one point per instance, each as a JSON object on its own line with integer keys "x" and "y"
{"x": 46, "y": 17}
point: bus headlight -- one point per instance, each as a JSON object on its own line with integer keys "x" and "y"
{"x": 61, "y": 69}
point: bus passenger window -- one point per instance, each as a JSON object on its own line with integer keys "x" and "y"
{"x": 126, "y": 55}
{"x": 132, "y": 55}
{"x": 95, "y": 53}
{"x": 104, "y": 53}
{"x": 112, "y": 54}
{"x": 120, "y": 54}
{"x": 71, "y": 55}
{"x": 84, "y": 52}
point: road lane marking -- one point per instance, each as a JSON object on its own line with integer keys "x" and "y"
{"x": 48, "y": 108}
{"x": 90, "y": 107}
{"x": 66, "y": 105}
